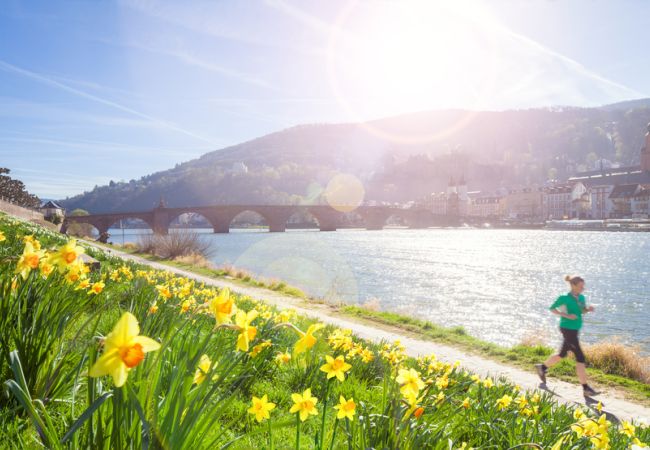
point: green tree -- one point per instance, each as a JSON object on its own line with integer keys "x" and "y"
{"x": 80, "y": 229}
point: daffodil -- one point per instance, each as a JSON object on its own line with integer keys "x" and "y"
{"x": 345, "y": 408}
{"x": 466, "y": 403}
{"x": 504, "y": 402}
{"x": 283, "y": 358}
{"x": 46, "y": 268}
{"x": 307, "y": 339}
{"x": 163, "y": 291}
{"x": 246, "y": 332}
{"x": 29, "y": 260}
{"x": 2, "y": 237}
{"x": 96, "y": 288}
{"x": 222, "y": 306}
{"x": 335, "y": 367}
{"x": 83, "y": 284}
{"x": 261, "y": 408}
{"x": 202, "y": 369}
{"x": 153, "y": 309}
{"x": 259, "y": 347}
{"x": 124, "y": 349}
{"x": 628, "y": 429}
{"x": 304, "y": 404}
{"x": 410, "y": 381}
{"x": 487, "y": 383}
{"x": 67, "y": 255}
{"x": 521, "y": 401}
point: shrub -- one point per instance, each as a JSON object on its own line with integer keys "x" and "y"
{"x": 174, "y": 245}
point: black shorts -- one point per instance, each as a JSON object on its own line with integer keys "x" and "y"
{"x": 572, "y": 344}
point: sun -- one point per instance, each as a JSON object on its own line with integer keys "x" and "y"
{"x": 408, "y": 56}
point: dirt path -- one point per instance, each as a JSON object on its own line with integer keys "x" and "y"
{"x": 565, "y": 392}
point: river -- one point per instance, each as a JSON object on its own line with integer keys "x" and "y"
{"x": 497, "y": 284}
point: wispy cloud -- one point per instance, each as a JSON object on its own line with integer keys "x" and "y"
{"x": 56, "y": 84}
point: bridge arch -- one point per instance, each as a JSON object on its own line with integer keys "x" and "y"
{"x": 250, "y": 218}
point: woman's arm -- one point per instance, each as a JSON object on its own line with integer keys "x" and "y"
{"x": 565, "y": 315}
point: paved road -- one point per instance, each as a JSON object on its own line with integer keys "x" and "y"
{"x": 614, "y": 403}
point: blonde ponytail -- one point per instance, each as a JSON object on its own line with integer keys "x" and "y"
{"x": 573, "y": 279}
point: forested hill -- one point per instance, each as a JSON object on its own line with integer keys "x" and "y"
{"x": 490, "y": 149}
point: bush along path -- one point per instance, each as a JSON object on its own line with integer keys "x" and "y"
{"x": 128, "y": 356}
{"x": 564, "y": 392}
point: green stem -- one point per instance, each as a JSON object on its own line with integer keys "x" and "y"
{"x": 333, "y": 435}
{"x": 270, "y": 436}
{"x": 347, "y": 429}
{"x": 322, "y": 426}
{"x": 297, "y": 431}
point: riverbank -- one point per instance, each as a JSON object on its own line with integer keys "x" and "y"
{"x": 211, "y": 352}
{"x": 488, "y": 358}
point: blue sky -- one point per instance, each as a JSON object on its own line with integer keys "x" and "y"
{"x": 93, "y": 91}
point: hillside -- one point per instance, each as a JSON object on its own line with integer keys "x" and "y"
{"x": 398, "y": 158}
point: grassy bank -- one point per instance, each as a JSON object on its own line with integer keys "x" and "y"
{"x": 125, "y": 356}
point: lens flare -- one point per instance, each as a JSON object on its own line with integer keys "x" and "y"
{"x": 344, "y": 192}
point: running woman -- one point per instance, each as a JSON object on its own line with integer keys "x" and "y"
{"x": 570, "y": 308}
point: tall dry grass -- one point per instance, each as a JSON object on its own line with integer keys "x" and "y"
{"x": 176, "y": 244}
{"x": 616, "y": 358}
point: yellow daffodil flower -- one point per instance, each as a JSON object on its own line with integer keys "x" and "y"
{"x": 410, "y": 381}
{"x": 29, "y": 260}
{"x": 124, "y": 349}
{"x": 222, "y": 306}
{"x": 628, "y": 429}
{"x": 335, "y": 367}
{"x": 96, "y": 288}
{"x": 307, "y": 339}
{"x": 2, "y": 237}
{"x": 304, "y": 405}
{"x": 246, "y": 332}
{"x": 466, "y": 403}
{"x": 504, "y": 402}
{"x": 202, "y": 369}
{"x": 261, "y": 408}
{"x": 345, "y": 408}
{"x": 67, "y": 255}
{"x": 283, "y": 358}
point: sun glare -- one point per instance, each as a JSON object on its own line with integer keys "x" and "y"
{"x": 406, "y": 56}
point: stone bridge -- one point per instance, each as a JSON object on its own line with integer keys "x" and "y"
{"x": 276, "y": 216}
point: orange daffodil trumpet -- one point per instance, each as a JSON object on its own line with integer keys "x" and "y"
{"x": 124, "y": 349}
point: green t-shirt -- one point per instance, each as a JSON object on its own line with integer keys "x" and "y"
{"x": 571, "y": 306}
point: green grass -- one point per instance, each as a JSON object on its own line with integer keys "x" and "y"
{"x": 49, "y": 333}
{"x": 519, "y": 355}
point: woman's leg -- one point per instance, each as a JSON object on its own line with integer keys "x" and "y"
{"x": 581, "y": 372}
{"x": 552, "y": 360}
{"x": 564, "y": 350}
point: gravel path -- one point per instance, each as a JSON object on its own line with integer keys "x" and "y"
{"x": 614, "y": 404}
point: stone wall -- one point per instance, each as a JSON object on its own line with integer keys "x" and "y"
{"x": 19, "y": 211}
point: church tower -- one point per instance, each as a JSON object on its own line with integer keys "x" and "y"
{"x": 645, "y": 152}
